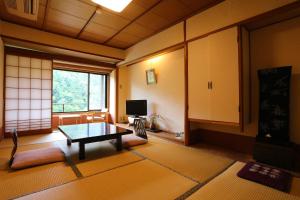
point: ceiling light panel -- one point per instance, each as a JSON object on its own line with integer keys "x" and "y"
{"x": 115, "y": 5}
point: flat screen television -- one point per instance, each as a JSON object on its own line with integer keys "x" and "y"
{"x": 136, "y": 107}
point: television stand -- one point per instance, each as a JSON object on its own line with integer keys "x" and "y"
{"x": 131, "y": 120}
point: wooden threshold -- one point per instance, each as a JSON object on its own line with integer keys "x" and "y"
{"x": 204, "y": 121}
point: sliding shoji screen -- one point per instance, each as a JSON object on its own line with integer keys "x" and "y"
{"x": 28, "y": 94}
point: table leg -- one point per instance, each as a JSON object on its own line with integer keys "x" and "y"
{"x": 81, "y": 150}
{"x": 119, "y": 143}
{"x": 69, "y": 142}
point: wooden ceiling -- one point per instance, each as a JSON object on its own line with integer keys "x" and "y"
{"x": 79, "y": 19}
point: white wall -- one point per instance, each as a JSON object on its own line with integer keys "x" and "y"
{"x": 165, "y": 98}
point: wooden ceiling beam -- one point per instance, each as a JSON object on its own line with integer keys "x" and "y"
{"x": 46, "y": 13}
{"x": 87, "y": 22}
{"x": 136, "y": 18}
{"x": 33, "y": 53}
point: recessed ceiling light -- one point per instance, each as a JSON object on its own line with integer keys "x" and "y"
{"x": 115, "y": 5}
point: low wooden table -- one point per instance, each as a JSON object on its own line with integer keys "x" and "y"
{"x": 93, "y": 132}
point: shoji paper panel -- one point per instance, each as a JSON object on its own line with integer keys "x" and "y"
{"x": 28, "y": 88}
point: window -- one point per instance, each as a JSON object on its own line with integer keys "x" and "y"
{"x": 78, "y": 91}
{"x": 27, "y": 94}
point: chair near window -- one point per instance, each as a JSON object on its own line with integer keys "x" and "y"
{"x": 97, "y": 116}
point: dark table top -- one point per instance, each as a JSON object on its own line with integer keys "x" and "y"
{"x": 78, "y": 132}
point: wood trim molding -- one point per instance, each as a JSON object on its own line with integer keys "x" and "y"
{"x": 87, "y": 22}
{"x": 210, "y": 33}
{"x": 241, "y": 79}
{"x": 38, "y": 54}
{"x": 46, "y": 13}
{"x": 239, "y": 143}
{"x": 81, "y": 68}
{"x": 26, "y": 52}
{"x": 4, "y": 94}
{"x": 1, "y": 134}
{"x": 156, "y": 53}
{"x": 117, "y": 96}
{"x": 186, "y": 89}
{"x": 205, "y": 121}
{"x": 107, "y": 88}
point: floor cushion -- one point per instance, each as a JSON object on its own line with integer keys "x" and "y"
{"x": 266, "y": 175}
{"x": 132, "y": 140}
{"x": 37, "y": 157}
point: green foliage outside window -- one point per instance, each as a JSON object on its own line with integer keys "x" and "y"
{"x": 70, "y": 91}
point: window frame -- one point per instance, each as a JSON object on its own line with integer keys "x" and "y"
{"x": 88, "y": 96}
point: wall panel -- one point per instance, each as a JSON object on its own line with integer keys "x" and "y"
{"x": 166, "y": 38}
{"x": 227, "y": 13}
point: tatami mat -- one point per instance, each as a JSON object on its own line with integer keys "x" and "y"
{"x": 228, "y": 186}
{"x": 197, "y": 164}
{"x": 141, "y": 180}
{"x": 34, "y": 139}
{"x": 21, "y": 182}
{"x": 100, "y": 157}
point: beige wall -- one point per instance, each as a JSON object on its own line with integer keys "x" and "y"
{"x": 34, "y": 35}
{"x": 165, "y": 98}
{"x": 229, "y": 12}
{"x": 219, "y": 16}
{"x": 166, "y": 38}
{"x": 273, "y": 46}
{"x": 1, "y": 83}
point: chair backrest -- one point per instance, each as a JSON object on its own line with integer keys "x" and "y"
{"x": 139, "y": 127}
{"x": 15, "y": 140}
